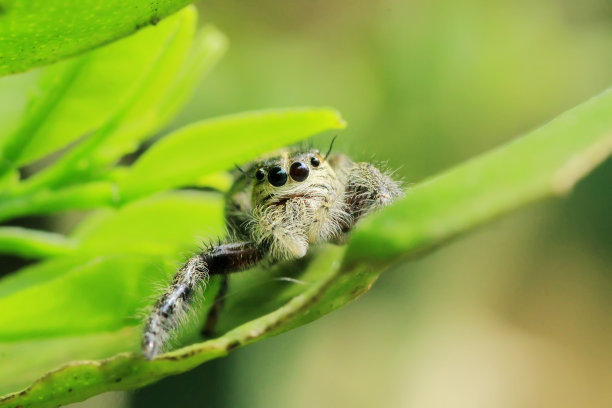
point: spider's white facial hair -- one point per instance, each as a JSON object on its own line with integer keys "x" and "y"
{"x": 290, "y": 217}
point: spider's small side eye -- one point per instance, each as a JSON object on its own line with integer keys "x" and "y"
{"x": 314, "y": 160}
{"x": 260, "y": 174}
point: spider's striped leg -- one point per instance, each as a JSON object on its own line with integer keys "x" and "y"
{"x": 173, "y": 304}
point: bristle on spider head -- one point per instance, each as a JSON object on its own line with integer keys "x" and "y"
{"x": 244, "y": 173}
{"x": 331, "y": 145}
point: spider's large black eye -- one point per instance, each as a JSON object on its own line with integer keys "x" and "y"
{"x": 277, "y": 176}
{"x": 314, "y": 160}
{"x": 299, "y": 171}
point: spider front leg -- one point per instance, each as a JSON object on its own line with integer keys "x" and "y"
{"x": 173, "y": 304}
{"x": 368, "y": 189}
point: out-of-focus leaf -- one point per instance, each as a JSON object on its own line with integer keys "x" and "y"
{"x": 158, "y": 93}
{"x": 82, "y": 196}
{"x": 14, "y": 99}
{"x": 101, "y": 294}
{"x": 37, "y": 32}
{"x": 209, "y": 46}
{"x": 37, "y": 111}
{"x": 221, "y": 181}
{"x": 100, "y": 82}
{"x": 170, "y": 85}
{"x": 196, "y": 150}
{"x": 10, "y": 179}
{"x": 167, "y": 224}
{"x": 116, "y": 286}
{"x": 546, "y": 161}
{"x": 29, "y": 243}
{"x": 39, "y": 273}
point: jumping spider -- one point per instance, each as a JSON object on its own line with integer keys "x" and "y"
{"x": 277, "y": 207}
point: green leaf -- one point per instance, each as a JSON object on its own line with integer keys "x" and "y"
{"x": 170, "y": 85}
{"x": 29, "y": 243}
{"x": 91, "y": 88}
{"x": 82, "y": 196}
{"x": 209, "y": 46}
{"x": 98, "y": 294}
{"x": 38, "y": 32}
{"x": 158, "y": 93}
{"x": 27, "y": 360}
{"x": 121, "y": 253}
{"x": 547, "y": 161}
{"x": 37, "y": 111}
{"x": 166, "y": 224}
{"x": 14, "y": 98}
{"x": 201, "y": 148}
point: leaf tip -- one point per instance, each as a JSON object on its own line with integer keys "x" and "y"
{"x": 214, "y": 38}
{"x": 338, "y": 120}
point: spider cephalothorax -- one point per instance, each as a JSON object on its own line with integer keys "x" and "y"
{"x": 294, "y": 200}
{"x": 277, "y": 207}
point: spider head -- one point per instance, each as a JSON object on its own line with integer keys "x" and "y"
{"x": 291, "y": 175}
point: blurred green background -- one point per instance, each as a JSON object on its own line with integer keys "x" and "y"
{"x": 517, "y": 314}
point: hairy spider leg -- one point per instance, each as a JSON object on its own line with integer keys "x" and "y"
{"x": 368, "y": 189}
{"x": 173, "y": 304}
